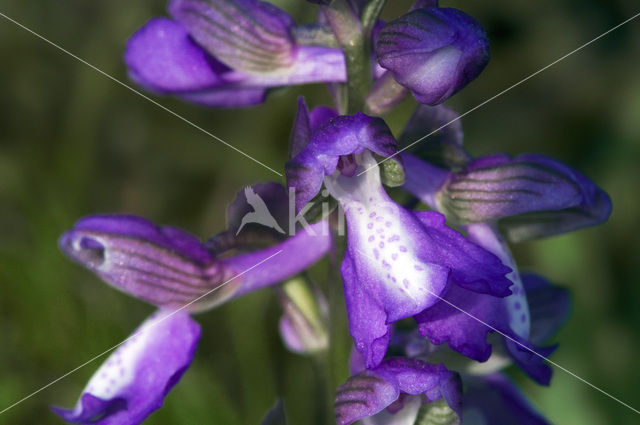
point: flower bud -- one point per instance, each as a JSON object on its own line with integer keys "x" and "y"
{"x": 433, "y": 52}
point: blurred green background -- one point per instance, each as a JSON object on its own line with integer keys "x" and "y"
{"x": 73, "y": 143}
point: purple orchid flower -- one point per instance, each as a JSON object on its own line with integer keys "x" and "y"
{"x": 398, "y": 383}
{"x": 397, "y": 262}
{"x": 529, "y": 196}
{"x": 226, "y": 53}
{"x": 487, "y": 398}
{"x": 481, "y": 193}
{"x": 174, "y": 271}
{"x": 434, "y": 52}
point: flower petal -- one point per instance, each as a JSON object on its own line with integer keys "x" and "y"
{"x": 537, "y": 196}
{"x": 134, "y": 380}
{"x": 161, "y": 57}
{"x": 433, "y": 52}
{"x": 369, "y": 392}
{"x": 494, "y": 399}
{"x": 531, "y": 359}
{"x": 549, "y": 305}
{"x": 461, "y": 327}
{"x": 161, "y": 265}
{"x": 341, "y": 135}
{"x": 246, "y": 35}
{"x": 367, "y": 318}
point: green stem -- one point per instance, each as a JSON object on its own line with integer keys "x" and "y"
{"x": 350, "y": 34}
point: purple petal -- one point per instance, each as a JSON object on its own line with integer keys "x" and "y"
{"x": 342, "y": 135}
{"x": 162, "y": 58}
{"x": 247, "y": 35}
{"x": 495, "y": 400}
{"x": 549, "y": 306}
{"x": 172, "y": 269}
{"x": 271, "y": 265}
{"x": 227, "y": 96}
{"x": 462, "y": 327}
{"x": 539, "y": 196}
{"x": 301, "y": 132}
{"x": 134, "y": 380}
{"x": 531, "y": 359}
{"x": 369, "y": 392}
{"x": 423, "y": 180}
{"x": 433, "y": 52}
{"x": 161, "y": 265}
{"x": 367, "y": 318}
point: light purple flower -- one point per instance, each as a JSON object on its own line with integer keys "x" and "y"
{"x": 434, "y": 52}
{"x": 369, "y": 391}
{"x": 397, "y": 261}
{"x": 170, "y": 268}
{"x": 226, "y": 53}
{"x": 134, "y": 380}
{"x": 529, "y": 196}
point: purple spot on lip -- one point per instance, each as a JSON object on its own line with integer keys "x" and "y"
{"x": 379, "y": 230}
{"x": 394, "y": 256}
{"x": 387, "y": 266}
{"x": 379, "y": 218}
{"x": 517, "y": 306}
{"x": 394, "y": 238}
{"x": 405, "y": 282}
{"x": 419, "y": 268}
{"x": 523, "y": 318}
{"x": 370, "y": 226}
{"x": 381, "y": 245}
{"x": 388, "y": 224}
{"x": 403, "y": 248}
{"x": 376, "y": 253}
{"x": 372, "y": 238}
{"x": 373, "y": 214}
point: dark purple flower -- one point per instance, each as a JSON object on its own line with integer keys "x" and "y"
{"x": 371, "y": 391}
{"x": 134, "y": 380}
{"x": 397, "y": 262}
{"x": 465, "y": 318}
{"x": 531, "y": 196}
{"x": 433, "y": 52}
{"x": 226, "y": 53}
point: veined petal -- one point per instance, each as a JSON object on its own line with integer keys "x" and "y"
{"x": 370, "y": 391}
{"x": 172, "y": 269}
{"x": 494, "y": 399}
{"x": 161, "y": 265}
{"x": 247, "y": 35}
{"x": 134, "y": 380}
{"x": 531, "y": 195}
